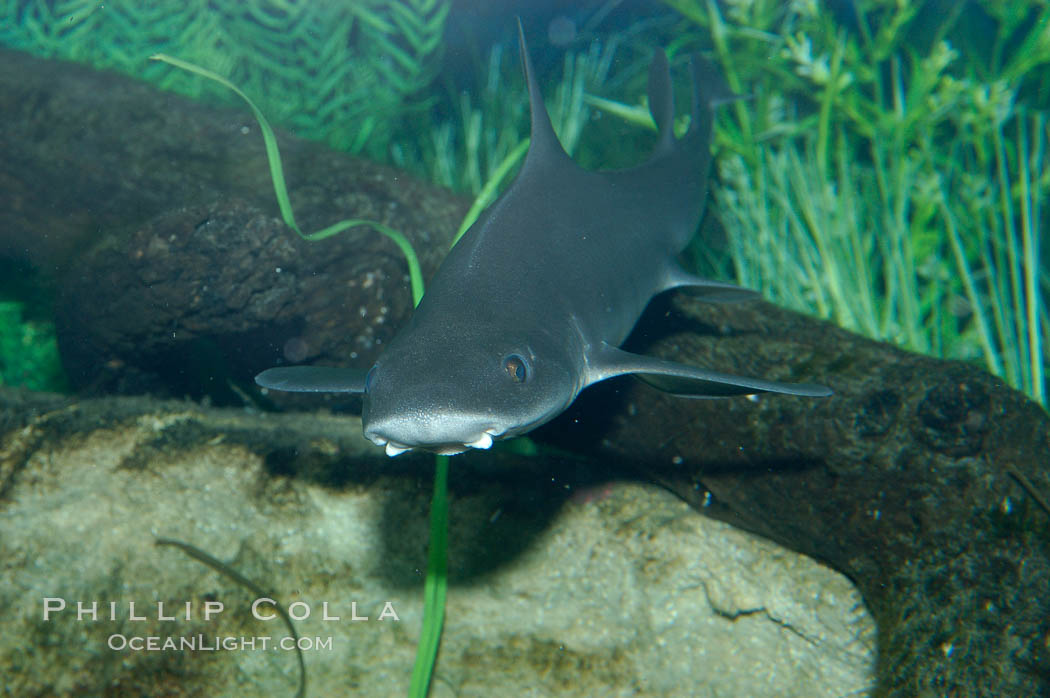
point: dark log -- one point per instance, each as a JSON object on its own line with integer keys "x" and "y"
{"x": 155, "y": 217}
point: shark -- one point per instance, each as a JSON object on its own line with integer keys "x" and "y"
{"x": 531, "y": 305}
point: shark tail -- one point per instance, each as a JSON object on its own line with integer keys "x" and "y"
{"x": 661, "y": 99}
{"x": 710, "y": 90}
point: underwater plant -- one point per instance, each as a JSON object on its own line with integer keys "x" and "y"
{"x": 28, "y": 350}
{"x": 338, "y": 72}
{"x": 273, "y": 156}
{"x": 465, "y": 152}
{"x": 884, "y": 177}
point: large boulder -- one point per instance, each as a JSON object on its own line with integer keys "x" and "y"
{"x": 563, "y": 582}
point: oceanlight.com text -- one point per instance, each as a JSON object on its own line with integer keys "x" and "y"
{"x": 214, "y": 643}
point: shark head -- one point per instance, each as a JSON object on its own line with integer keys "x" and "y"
{"x": 452, "y": 392}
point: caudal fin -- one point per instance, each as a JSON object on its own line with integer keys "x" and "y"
{"x": 661, "y": 99}
{"x": 710, "y": 90}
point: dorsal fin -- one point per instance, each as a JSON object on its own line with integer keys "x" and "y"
{"x": 544, "y": 146}
{"x": 661, "y": 99}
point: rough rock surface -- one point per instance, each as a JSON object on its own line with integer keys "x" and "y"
{"x": 562, "y": 583}
{"x": 919, "y": 479}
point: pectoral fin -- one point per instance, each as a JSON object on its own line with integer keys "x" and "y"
{"x": 313, "y": 379}
{"x": 688, "y": 381}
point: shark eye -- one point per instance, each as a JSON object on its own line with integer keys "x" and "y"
{"x": 516, "y": 367}
{"x": 370, "y": 379}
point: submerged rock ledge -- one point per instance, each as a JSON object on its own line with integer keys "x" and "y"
{"x": 920, "y": 480}
{"x": 562, "y": 583}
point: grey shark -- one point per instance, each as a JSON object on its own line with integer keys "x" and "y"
{"x": 531, "y": 305}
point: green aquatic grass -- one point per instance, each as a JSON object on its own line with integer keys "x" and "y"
{"x": 817, "y": 245}
{"x": 273, "y": 156}
{"x": 28, "y": 351}
{"x": 345, "y": 73}
{"x": 435, "y": 586}
{"x": 889, "y": 170}
{"x": 472, "y": 149}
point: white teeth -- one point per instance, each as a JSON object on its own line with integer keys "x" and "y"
{"x": 484, "y": 441}
{"x": 393, "y": 449}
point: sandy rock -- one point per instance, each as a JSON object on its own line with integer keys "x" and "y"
{"x": 579, "y": 587}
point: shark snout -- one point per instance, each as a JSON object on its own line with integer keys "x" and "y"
{"x": 438, "y": 436}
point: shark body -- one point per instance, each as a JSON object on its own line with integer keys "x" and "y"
{"x": 531, "y": 305}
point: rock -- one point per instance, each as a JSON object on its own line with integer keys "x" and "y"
{"x": 919, "y": 480}
{"x": 562, "y": 583}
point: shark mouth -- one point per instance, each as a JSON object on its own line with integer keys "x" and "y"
{"x": 393, "y": 448}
